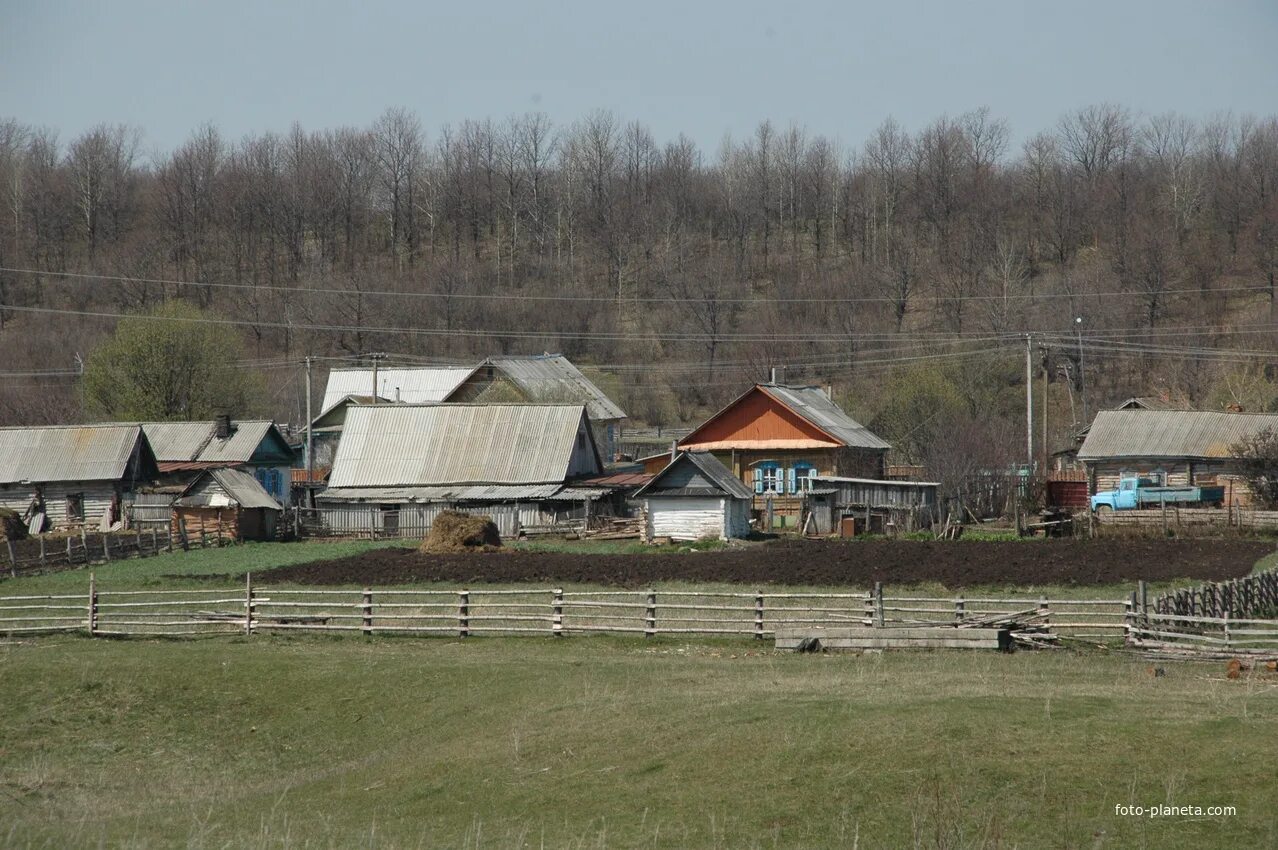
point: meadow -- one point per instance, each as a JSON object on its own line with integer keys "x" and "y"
{"x": 291, "y": 741}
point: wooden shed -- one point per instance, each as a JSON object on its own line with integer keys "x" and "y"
{"x": 227, "y": 504}
{"x": 695, "y": 497}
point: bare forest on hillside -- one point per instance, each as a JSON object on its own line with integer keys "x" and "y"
{"x": 903, "y": 269}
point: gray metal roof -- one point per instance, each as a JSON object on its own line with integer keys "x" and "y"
{"x": 405, "y": 445}
{"x": 552, "y": 378}
{"x": 239, "y": 486}
{"x": 710, "y": 466}
{"x": 815, "y": 406}
{"x": 455, "y": 493}
{"x": 413, "y": 385}
{"x": 67, "y": 452}
{"x": 1202, "y": 434}
{"x": 183, "y": 442}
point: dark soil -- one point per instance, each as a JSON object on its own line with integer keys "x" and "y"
{"x": 805, "y": 562}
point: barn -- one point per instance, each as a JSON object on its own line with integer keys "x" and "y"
{"x": 226, "y": 503}
{"x": 523, "y": 464}
{"x": 73, "y": 475}
{"x": 695, "y": 497}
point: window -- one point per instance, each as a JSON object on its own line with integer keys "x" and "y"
{"x": 768, "y": 477}
{"x": 801, "y": 475}
{"x": 75, "y": 507}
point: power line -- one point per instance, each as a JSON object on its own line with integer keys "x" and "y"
{"x": 609, "y": 299}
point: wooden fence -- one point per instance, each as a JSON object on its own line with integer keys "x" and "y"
{"x": 52, "y": 553}
{"x": 468, "y": 612}
{"x": 1236, "y": 616}
{"x": 1188, "y": 521}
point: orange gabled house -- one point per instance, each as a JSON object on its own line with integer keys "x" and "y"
{"x": 776, "y": 438}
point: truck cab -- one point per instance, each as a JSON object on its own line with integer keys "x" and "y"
{"x": 1122, "y": 499}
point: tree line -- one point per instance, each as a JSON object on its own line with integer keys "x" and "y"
{"x": 688, "y": 270}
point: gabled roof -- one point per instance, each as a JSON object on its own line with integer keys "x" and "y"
{"x": 1152, "y": 402}
{"x": 242, "y": 489}
{"x": 327, "y": 413}
{"x": 409, "y": 445}
{"x": 195, "y": 442}
{"x": 415, "y": 385}
{"x": 811, "y": 405}
{"x": 553, "y": 379}
{"x": 712, "y": 472}
{"x": 1195, "y": 434}
{"x": 70, "y": 453}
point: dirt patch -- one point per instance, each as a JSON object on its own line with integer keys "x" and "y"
{"x": 453, "y": 532}
{"x": 804, "y": 562}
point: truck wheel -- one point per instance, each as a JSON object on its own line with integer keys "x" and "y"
{"x": 1104, "y": 509}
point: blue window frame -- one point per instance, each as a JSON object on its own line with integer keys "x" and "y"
{"x": 768, "y": 477}
{"x": 801, "y": 476}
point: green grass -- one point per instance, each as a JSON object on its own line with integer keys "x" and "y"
{"x": 611, "y": 743}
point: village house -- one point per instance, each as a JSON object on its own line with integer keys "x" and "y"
{"x": 258, "y": 447}
{"x": 777, "y": 438}
{"x": 64, "y": 476}
{"x": 226, "y": 503}
{"x": 520, "y": 463}
{"x": 533, "y": 379}
{"x": 695, "y": 497}
{"x": 1178, "y": 447}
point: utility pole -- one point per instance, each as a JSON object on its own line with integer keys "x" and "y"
{"x": 1045, "y": 450}
{"x": 1082, "y": 385}
{"x": 310, "y": 444}
{"x": 1029, "y": 402}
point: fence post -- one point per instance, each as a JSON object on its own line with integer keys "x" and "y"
{"x": 93, "y": 605}
{"x": 248, "y": 603}
{"x": 557, "y": 613}
{"x": 1142, "y": 596}
{"x": 84, "y": 543}
{"x": 463, "y": 613}
{"x": 42, "y": 551}
{"x": 1129, "y": 616}
{"x": 155, "y": 541}
{"x": 137, "y": 533}
{"x": 650, "y": 615}
{"x": 868, "y": 619}
{"x": 69, "y": 561}
{"x": 168, "y": 533}
{"x": 13, "y": 559}
{"x": 106, "y": 546}
{"x": 960, "y": 609}
{"x": 1163, "y": 503}
{"x": 878, "y": 604}
{"x": 368, "y": 611}
{"x": 1226, "y": 619}
{"x": 758, "y": 616}
{"x": 1043, "y": 610}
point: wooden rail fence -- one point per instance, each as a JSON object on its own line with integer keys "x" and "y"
{"x": 1188, "y": 521}
{"x": 52, "y": 553}
{"x": 469, "y": 612}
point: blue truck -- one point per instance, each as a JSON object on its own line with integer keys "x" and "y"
{"x": 1149, "y": 493}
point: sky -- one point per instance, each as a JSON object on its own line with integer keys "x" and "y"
{"x": 701, "y": 67}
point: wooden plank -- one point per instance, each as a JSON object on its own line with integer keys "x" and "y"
{"x": 895, "y": 638}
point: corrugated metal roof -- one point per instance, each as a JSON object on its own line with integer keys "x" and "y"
{"x": 457, "y": 493}
{"x": 243, "y": 489}
{"x": 66, "y": 453}
{"x": 1202, "y": 434}
{"x": 1152, "y": 402}
{"x": 450, "y": 444}
{"x": 552, "y": 378}
{"x": 186, "y": 442}
{"x": 710, "y": 466}
{"x": 813, "y": 405}
{"x": 414, "y": 386}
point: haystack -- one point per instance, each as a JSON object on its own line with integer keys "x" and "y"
{"x": 457, "y": 532}
{"x": 11, "y": 525}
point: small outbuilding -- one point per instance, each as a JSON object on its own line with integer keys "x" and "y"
{"x": 693, "y": 498}
{"x": 227, "y": 504}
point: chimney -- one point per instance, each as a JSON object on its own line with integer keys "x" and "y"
{"x": 397, "y": 395}
{"x": 222, "y": 426}
{"x": 674, "y": 449}
{"x": 829, "y": 391}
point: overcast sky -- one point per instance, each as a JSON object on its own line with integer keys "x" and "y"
{"x": 703, "y": 68}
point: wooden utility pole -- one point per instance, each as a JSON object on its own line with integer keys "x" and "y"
{"x": 1029, "y": 402}
{"x": 1047, "y": 459}
{"x": 310, "y": 443}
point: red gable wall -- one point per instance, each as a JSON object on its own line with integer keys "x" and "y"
{"x": 757, "y": 421}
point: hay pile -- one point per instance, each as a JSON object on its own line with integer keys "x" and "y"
{"x": 11, "y": 525}
{"x": 457, "y": 532}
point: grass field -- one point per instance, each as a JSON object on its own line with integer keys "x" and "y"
{"x": 310, "y": 741}
{"x": 600, "y": 742}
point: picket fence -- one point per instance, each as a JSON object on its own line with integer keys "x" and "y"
{"x": 1235, "y": 617}
{"x": 250, "y": 608}
{"x": 51, "y": 553}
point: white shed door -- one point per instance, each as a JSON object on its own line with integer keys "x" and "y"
{"x": 686, "y": 518}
